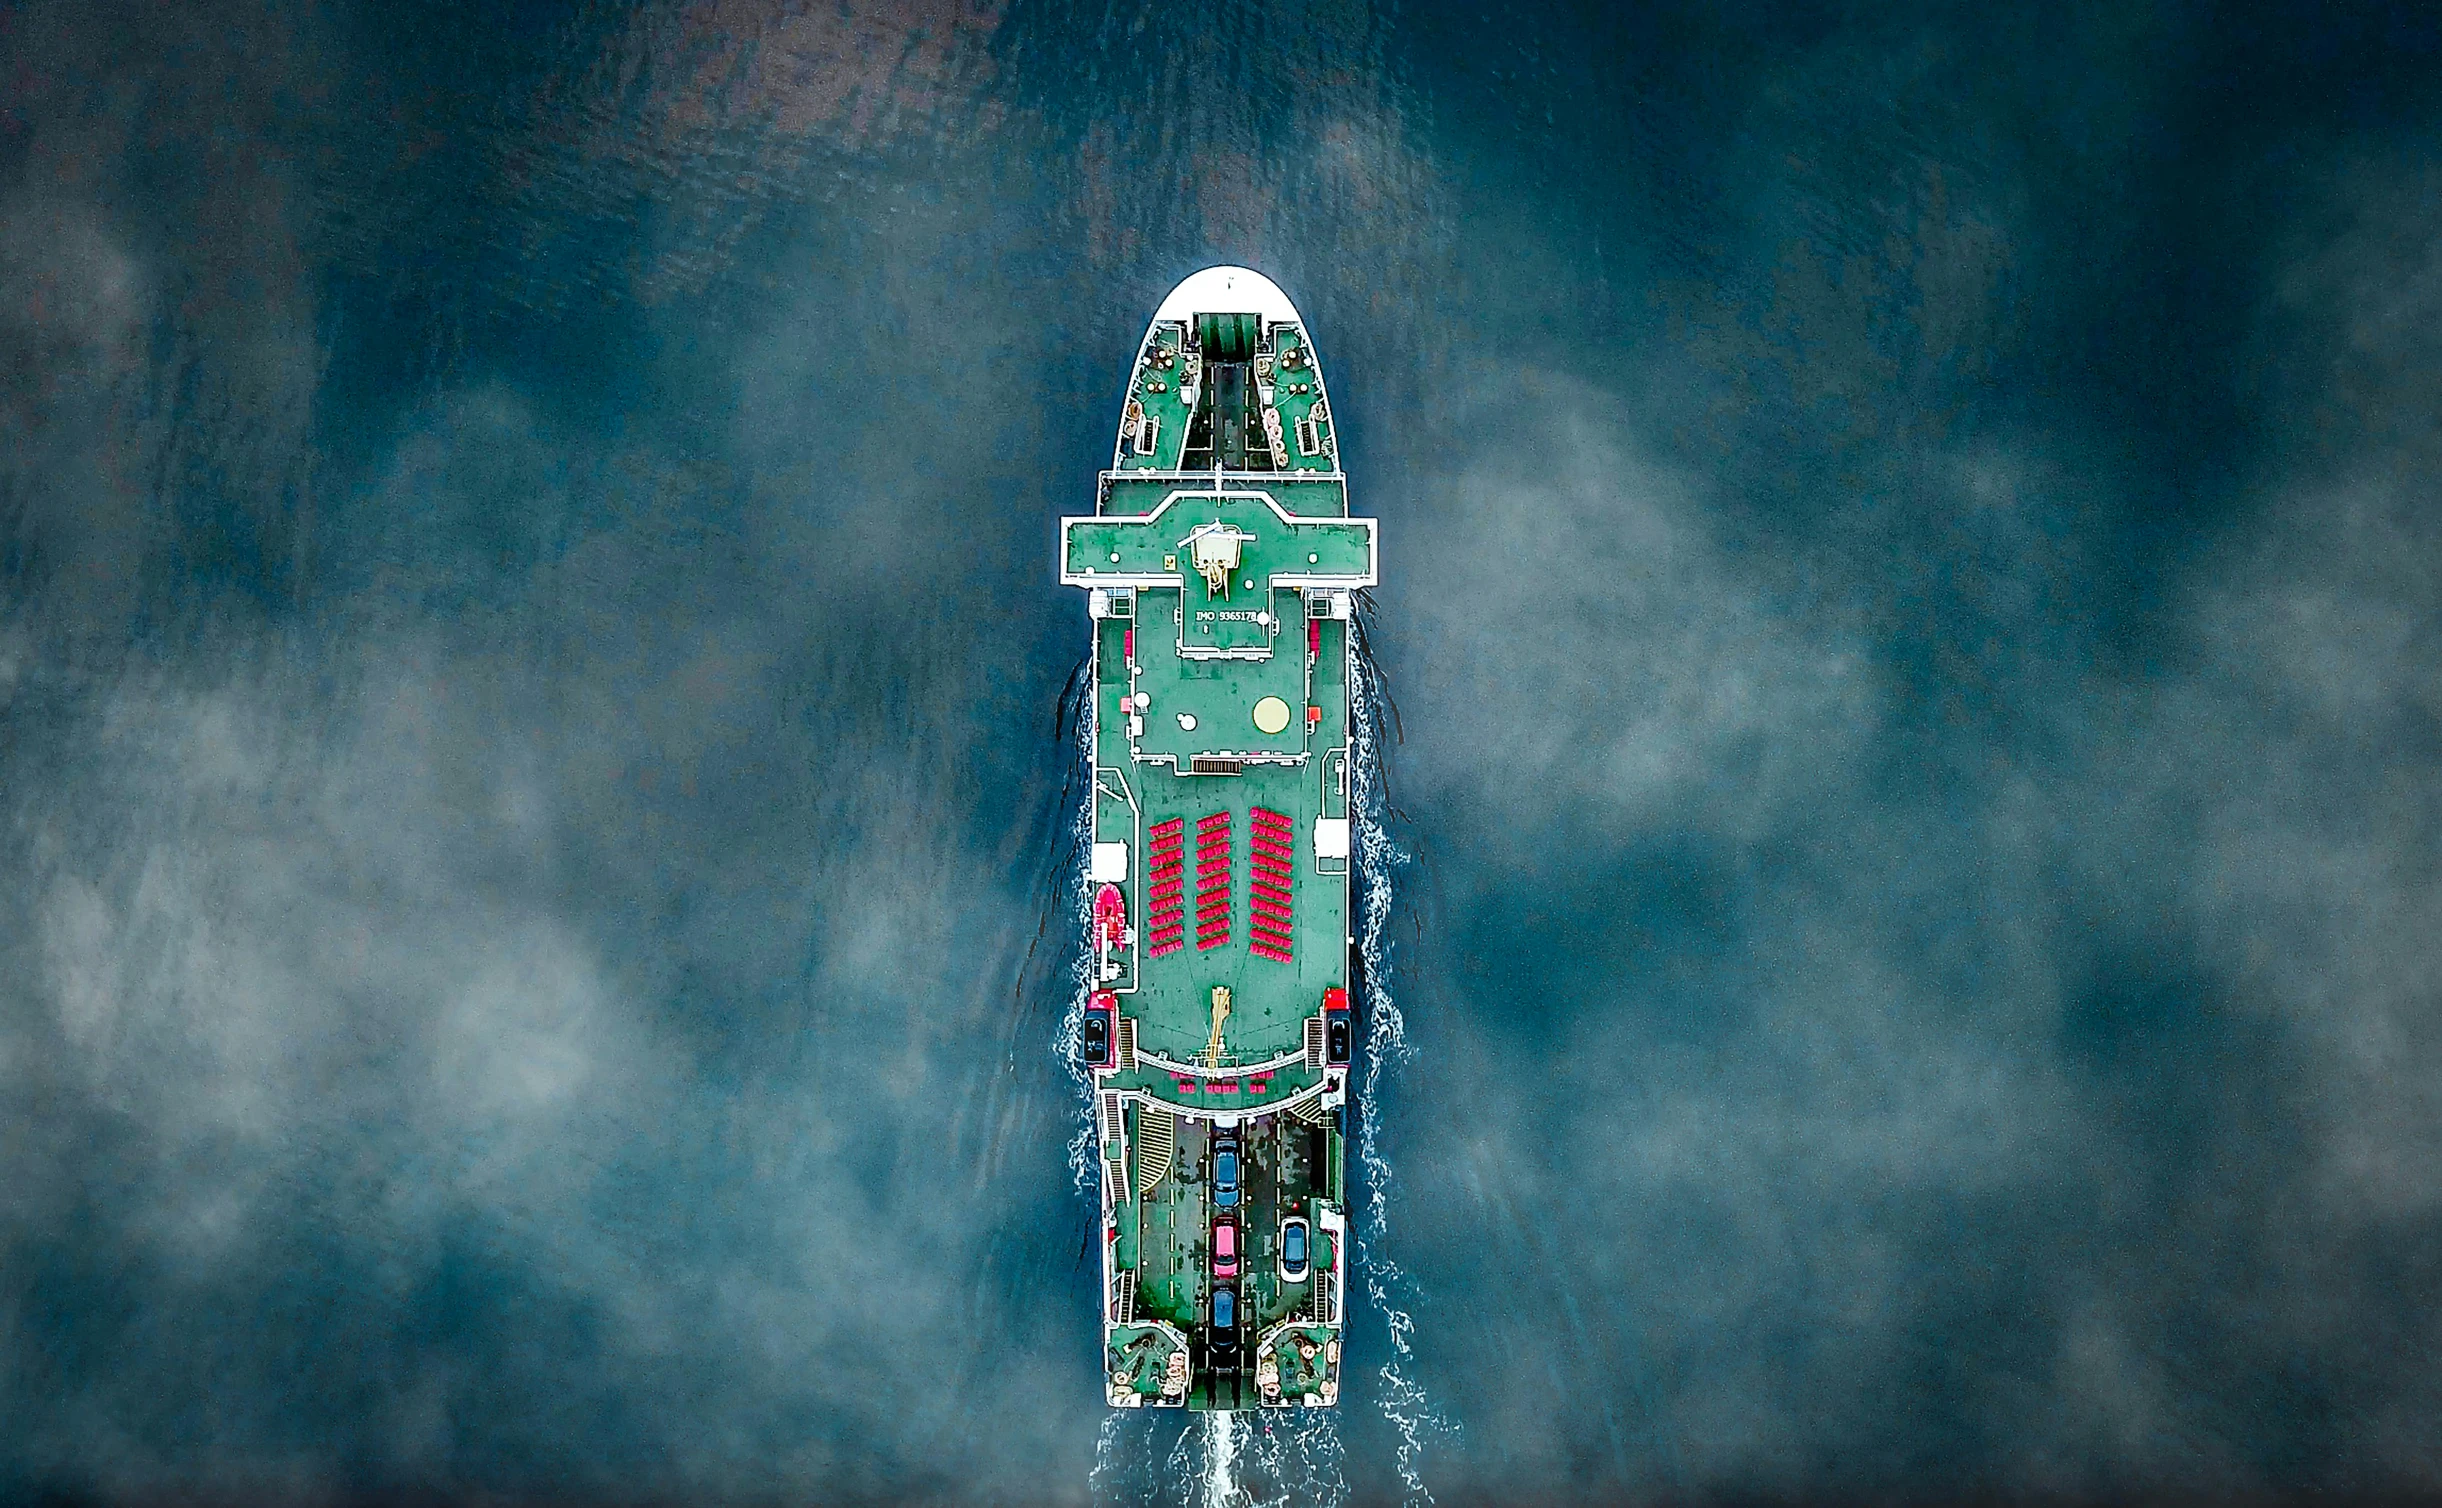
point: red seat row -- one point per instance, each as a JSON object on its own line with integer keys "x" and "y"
{"x": 1165, "y": 929}
{"x": 1212, "y": 881}
{"x": 1271, "y": 874}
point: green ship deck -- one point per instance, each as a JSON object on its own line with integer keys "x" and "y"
{"x": 1220, "y": 564}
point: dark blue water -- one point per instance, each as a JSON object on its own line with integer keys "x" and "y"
{"x": 530, "y": 794}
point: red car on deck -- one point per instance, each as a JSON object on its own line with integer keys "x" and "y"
{"x": 1225, "y": 1249}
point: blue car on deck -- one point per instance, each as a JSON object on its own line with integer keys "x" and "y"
{"x": 1293, "y": 1249}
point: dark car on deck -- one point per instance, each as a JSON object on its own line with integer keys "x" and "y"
{"x": 1225, "y": 1174}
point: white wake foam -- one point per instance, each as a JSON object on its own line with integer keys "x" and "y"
{"x": 1290, "y": 1458}
{"x": 1402, "y": 1399}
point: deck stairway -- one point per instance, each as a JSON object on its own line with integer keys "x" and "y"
{"x": 1114, "y": 1146}
{"x": 1318, "y": 1307}
{"x": 1156, "y": 1142}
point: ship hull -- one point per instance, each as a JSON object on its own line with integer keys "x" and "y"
{"x": 1220, "y": 567}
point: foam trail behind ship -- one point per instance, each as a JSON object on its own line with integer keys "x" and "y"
{"x": 1402, "y": 1399}
{"x": 1290, "y": 1458}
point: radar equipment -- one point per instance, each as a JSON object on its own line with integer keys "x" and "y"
{"x": 1216, "y": 550}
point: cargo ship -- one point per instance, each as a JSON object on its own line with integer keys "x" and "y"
{"x": 1221, "y": 565}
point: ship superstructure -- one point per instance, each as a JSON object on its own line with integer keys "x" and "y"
{"x": 1220, "y": 564}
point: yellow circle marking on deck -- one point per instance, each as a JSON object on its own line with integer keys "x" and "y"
{"x": 1271, "y": 715}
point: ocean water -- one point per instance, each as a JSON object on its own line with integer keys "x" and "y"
{"x": 538, "y": 818}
